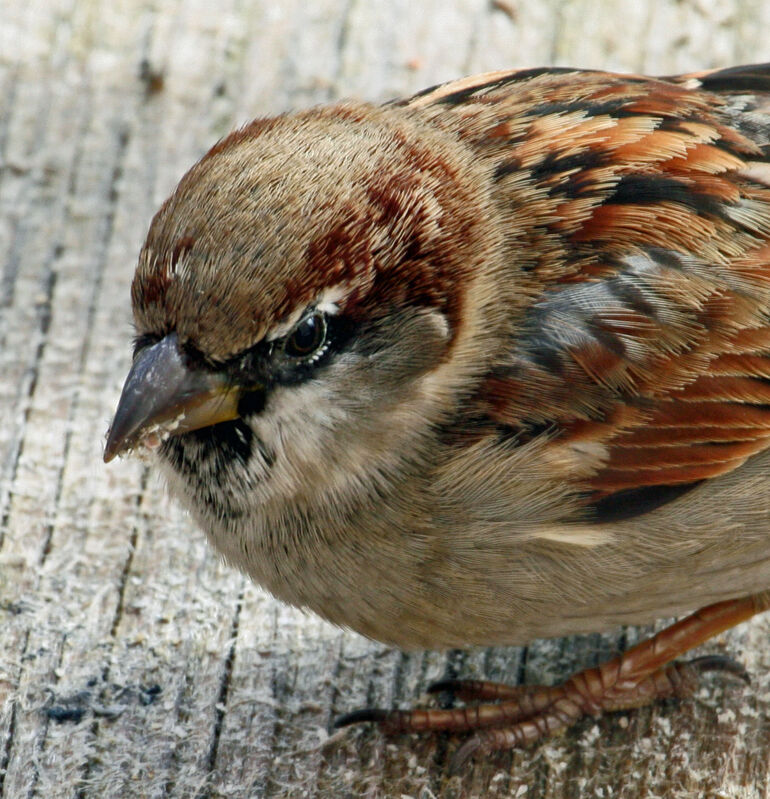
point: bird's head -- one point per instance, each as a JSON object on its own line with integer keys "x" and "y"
{"x": 309, "y": 303}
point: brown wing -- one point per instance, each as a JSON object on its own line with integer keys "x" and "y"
{"x": 641, "y": 211}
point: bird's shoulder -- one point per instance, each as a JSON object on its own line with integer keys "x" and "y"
{"x": 639, "y": 218}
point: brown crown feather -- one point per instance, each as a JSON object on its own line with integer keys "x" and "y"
{"x": 278, "y": 212}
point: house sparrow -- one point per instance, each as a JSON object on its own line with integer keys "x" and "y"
{"x": 484, "y": 365}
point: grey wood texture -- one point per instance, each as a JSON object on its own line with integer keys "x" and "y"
{"x": 132, "y": 662}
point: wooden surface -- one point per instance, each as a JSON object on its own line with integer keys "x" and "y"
{"x": 132, "y": 662}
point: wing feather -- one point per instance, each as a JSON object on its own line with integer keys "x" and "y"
{"x": 642, "y": 217}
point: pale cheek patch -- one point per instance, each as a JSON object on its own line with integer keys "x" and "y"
{"x": 294, "y": 424}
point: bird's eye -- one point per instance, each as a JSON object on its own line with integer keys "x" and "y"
{"x": 307, "y": 338}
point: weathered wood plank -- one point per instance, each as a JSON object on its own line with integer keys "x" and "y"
{"x": 132, "y": 662}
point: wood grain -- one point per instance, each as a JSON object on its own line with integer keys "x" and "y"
{"x": 132, "y": 662}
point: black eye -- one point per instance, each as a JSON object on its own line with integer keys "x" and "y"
{"x": 308, "y": 337}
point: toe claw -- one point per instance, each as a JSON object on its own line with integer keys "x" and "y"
{"x": 440, "y": 686}
{"x": 721, "y": 663}
{"x": 373, "y": 714}
{"x": 464, "y": 754}
{"x": 503, "y": 717}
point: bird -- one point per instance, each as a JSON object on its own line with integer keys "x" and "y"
{"x": 482, "y": 365}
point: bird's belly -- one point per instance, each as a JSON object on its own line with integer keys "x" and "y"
{"x": 465, "y": 588}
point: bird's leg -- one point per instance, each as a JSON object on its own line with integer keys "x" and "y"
{"x": 512, "y": 716}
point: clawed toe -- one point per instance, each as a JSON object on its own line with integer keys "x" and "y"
{"x": 524, "y": 714}
{"x": 480, "y": 690}
{"x": 722, "y": 664}
{"x": 371, "y": 714}
{"x": 514, "y": 716}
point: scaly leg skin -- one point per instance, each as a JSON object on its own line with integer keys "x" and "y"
{"x": 523, "y": 714}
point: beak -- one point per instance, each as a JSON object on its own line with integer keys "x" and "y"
{"x": 162, "y": 395}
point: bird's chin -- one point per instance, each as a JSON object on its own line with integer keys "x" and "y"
{"x": 226, "y": 442}
{"x": 220, "y": 445}
{"x": 216, "y": 469}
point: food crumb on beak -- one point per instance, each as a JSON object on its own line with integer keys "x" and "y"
{"x": 152, "y": 440}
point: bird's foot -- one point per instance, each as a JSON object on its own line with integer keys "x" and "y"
{"x": 512, "y": 716}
